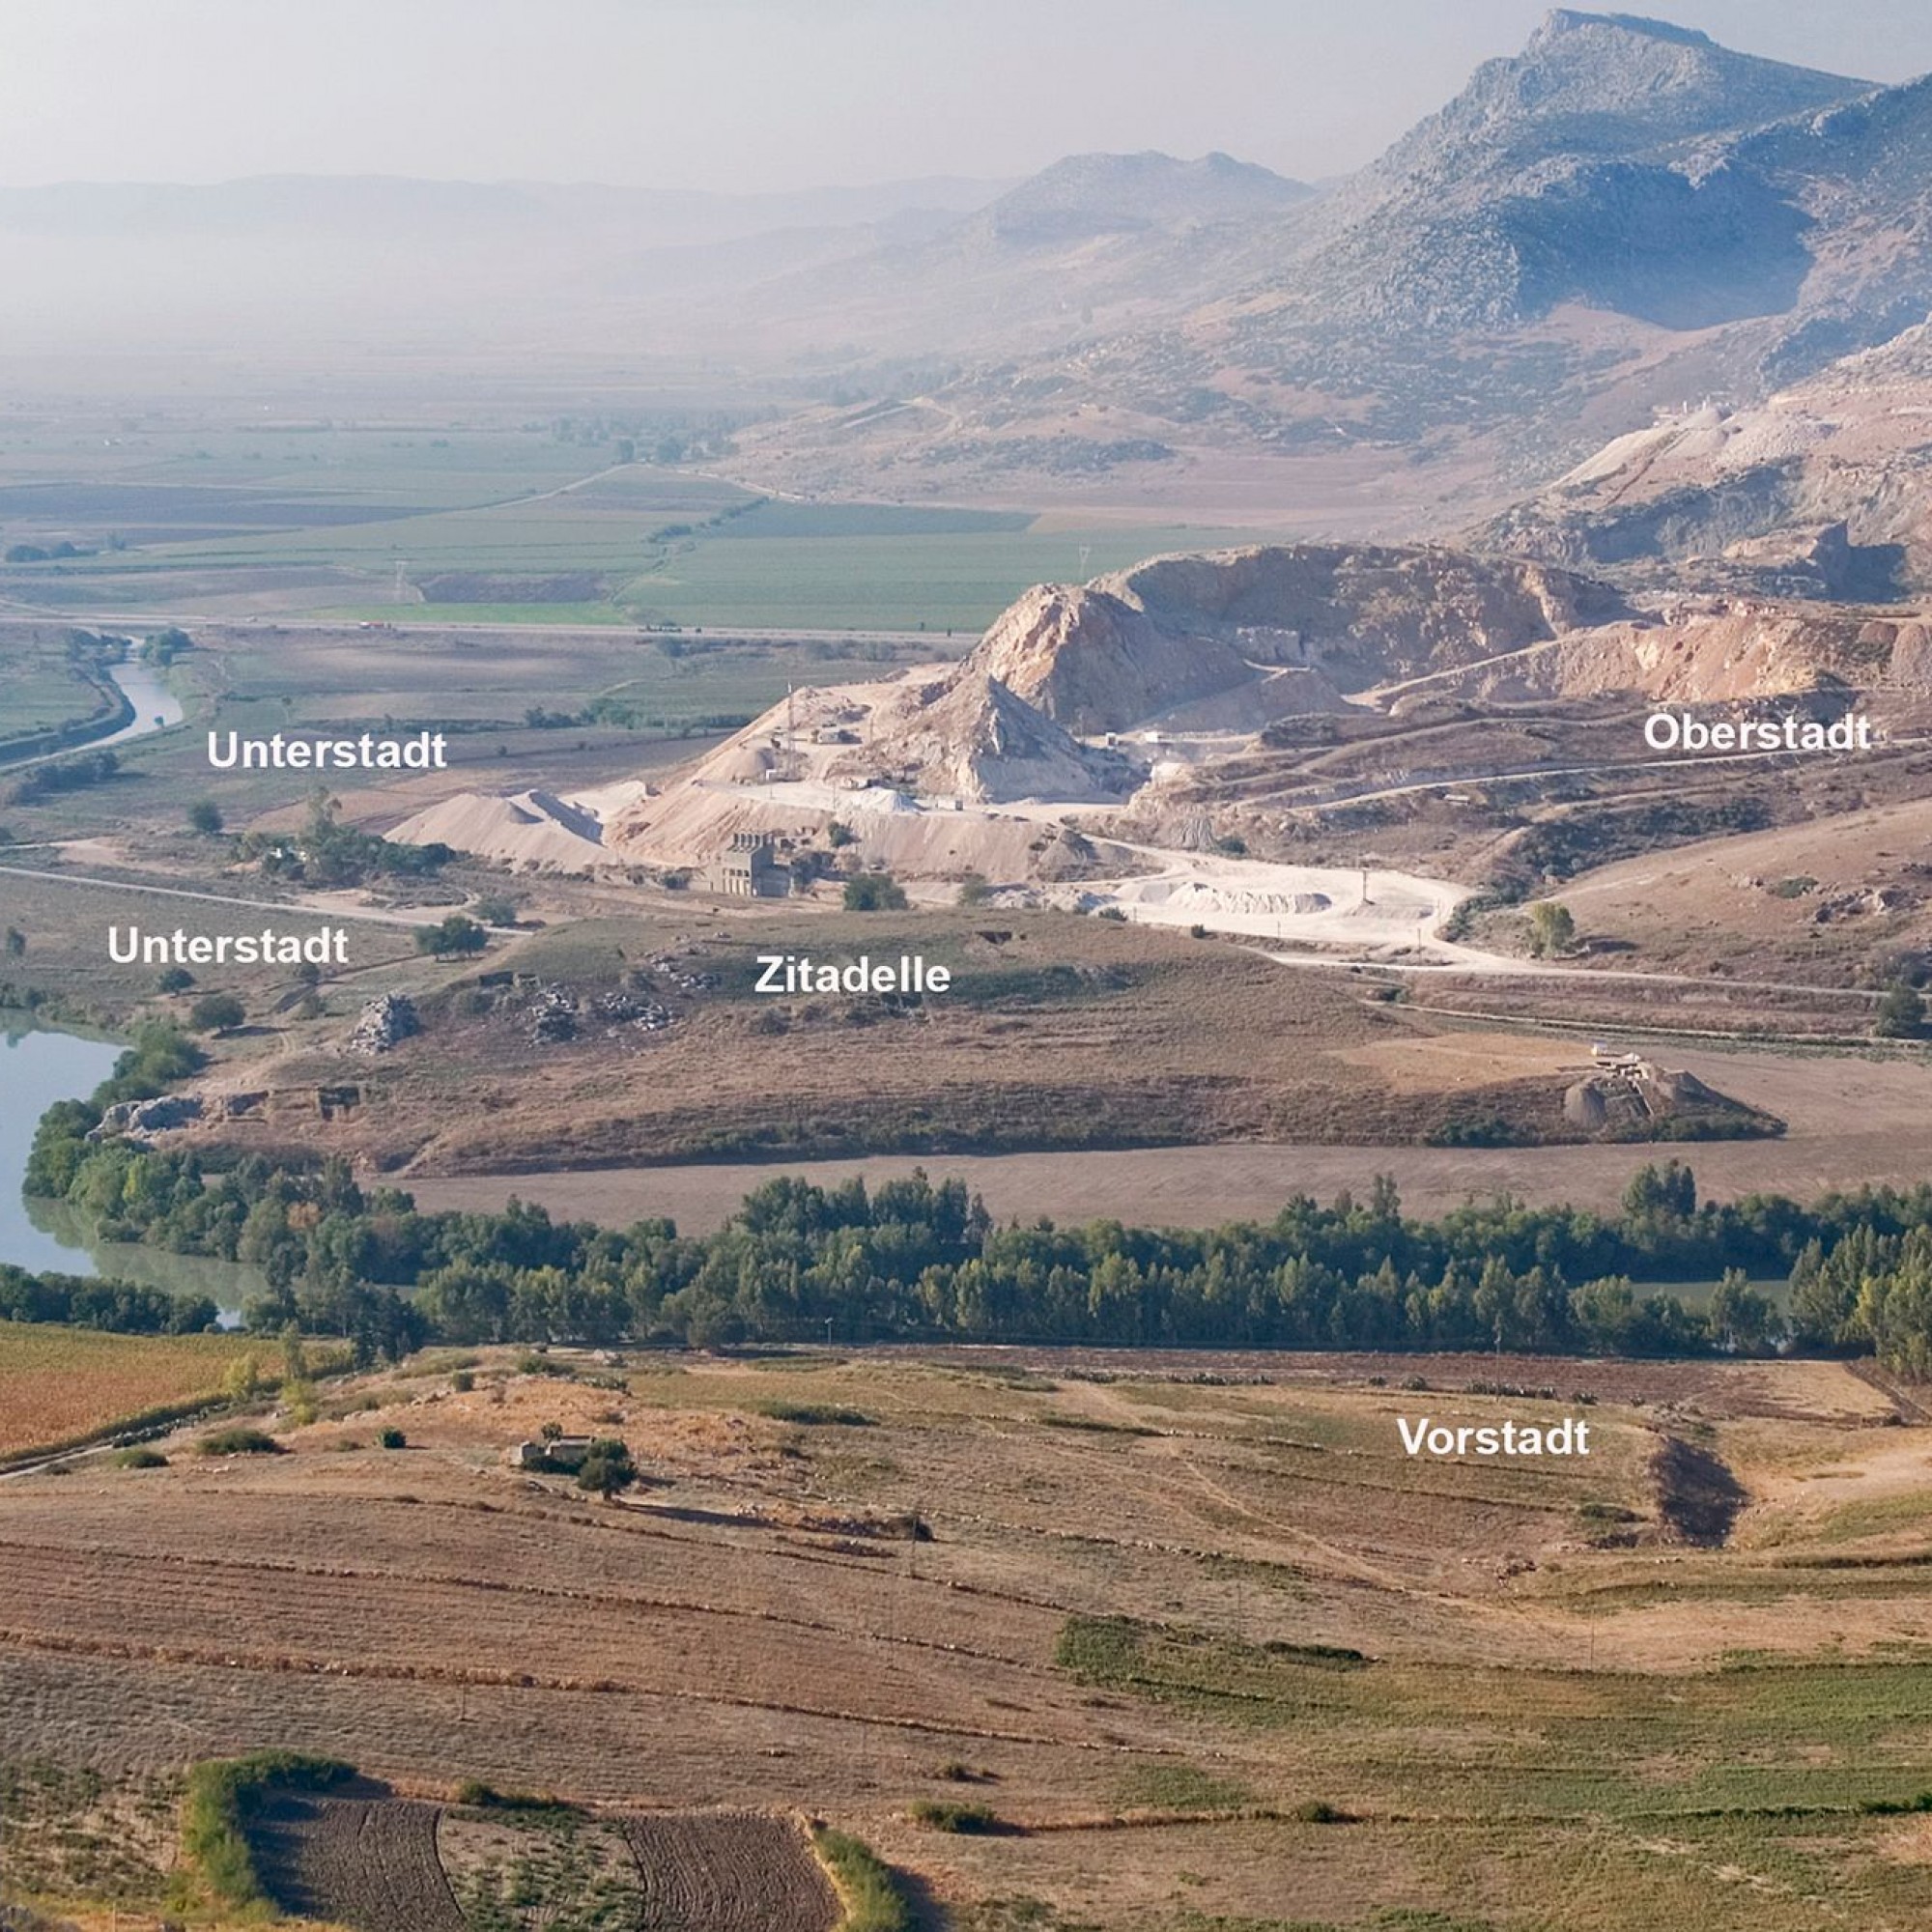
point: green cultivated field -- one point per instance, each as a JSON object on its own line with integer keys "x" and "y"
{"x": 505, "y": 526}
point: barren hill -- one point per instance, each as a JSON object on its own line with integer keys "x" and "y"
{"x": 1097, "y": 194}
{"x": 1819, "y": 490}
{"x": 1295, "y": 625}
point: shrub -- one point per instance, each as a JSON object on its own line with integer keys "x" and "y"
{"x": 393, "y": 1438}
{"x": 175, "y": 980}
{"x": 1553, "y": 931}
{"x": 874, "y": 892}
{"x": 215, "y": 1012}
{"x": 204, "y": 815}
{"x": 239, "y": 1442}
{"x": 606, "y": 1468}
{"x": 1900, "y": 1014}
{"x": 1319, "y": 1811}
{"x": 140, "y": 1459}
{"x": 815, "y": 1415}
{"x": 1892, "y": 1807}
{"x": 473, "y": 1793}
{"x": 463, "y": 1382}
{"x": 456, "y": 934}
{"x": 933, "y": 1814}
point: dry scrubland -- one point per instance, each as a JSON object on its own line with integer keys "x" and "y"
{"x": 1058, "y": 1032}
{"x": 1212, "y": 1652}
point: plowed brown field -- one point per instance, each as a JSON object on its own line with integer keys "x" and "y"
{"x": 376, "y": 1862}
{"x": 365, "y": 1861}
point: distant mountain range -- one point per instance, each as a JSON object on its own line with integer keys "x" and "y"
{"x": 1624, "y": 217}
{"x": 451, "y": 212}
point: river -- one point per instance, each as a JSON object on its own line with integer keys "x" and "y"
{"x": 40, "y": 1064}
{"x": 156, "y": 708}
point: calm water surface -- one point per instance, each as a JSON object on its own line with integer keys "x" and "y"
{"x": 39, "y": 1065}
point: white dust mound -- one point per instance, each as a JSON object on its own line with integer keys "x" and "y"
{"x": 978, "y": 739}
{"x": 529, "y": 827}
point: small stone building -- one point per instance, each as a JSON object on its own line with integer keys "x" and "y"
{"x": 565, "y": 1452}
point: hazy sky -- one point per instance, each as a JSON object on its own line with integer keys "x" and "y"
{"x": 766, "y": 94}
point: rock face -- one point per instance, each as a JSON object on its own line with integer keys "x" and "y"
{"x": 384, "y": 1023}
{"x": 977, "y": 738}
{"x": 1286, "y": 627}
{"x": 1560, "y": 174}
{"x": 1820, "y": 490}
{"x": 141, "y": 1120}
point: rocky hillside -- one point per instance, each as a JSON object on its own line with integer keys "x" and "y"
{"x": 1819, "y": 491}
{"x": 1622, "y": 215}
{"x": 1581, "y": 169}
{"x": 1230, "y": 641}
{"x": 1269, "y": 631}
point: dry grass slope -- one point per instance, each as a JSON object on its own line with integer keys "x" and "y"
{"x": 1175, "y": 1623}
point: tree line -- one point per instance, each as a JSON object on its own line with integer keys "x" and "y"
{"x": 920, "y": 1259}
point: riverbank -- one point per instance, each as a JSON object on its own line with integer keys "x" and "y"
{"x": 136, "y": 701}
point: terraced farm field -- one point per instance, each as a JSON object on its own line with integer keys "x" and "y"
{"x": 1144, "y": 1642}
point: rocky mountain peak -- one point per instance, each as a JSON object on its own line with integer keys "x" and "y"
{"x": 1606, "y": 85}
{"x": 1561, "y": 20}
